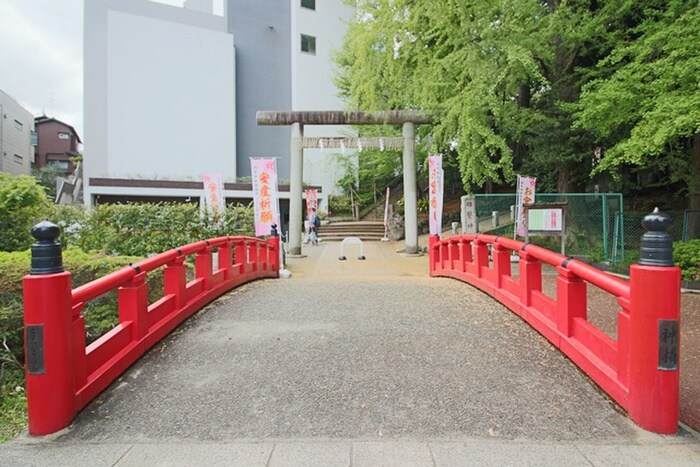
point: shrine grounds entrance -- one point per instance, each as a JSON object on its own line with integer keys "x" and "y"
{"x": 298, "y": 119}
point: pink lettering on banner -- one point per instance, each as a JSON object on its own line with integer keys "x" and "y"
{"x": 265, "y": 200}
{"x": 213, "y": 192}
{"x": 311, "y": 201}
{"x": 435, "y": 200}
{"x": 525, "y": 195}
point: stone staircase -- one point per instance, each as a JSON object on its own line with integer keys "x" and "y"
{"x": 364, "y": 230}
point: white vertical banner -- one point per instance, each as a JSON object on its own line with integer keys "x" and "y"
{"x": 436, "y": 193}
{"x": 214, "y": 201}
{"x": 386, "y": 207}
{"x": 265, "y": 199}
{"x": 311, "y": 201}
{"x": 525, "y": 195}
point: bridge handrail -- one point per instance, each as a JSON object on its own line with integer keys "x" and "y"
{"x": 63, "y": 374}
{"x": 639, "y": 369}
{"x": 595, "y": 276}
{"x": 102, "y": 285}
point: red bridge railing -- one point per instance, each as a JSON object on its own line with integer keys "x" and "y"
{"x": 63, "y": 374}
{"x": 639, "y": 370}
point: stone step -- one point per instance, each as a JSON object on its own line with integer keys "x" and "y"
{"x": 358, "y": 224}
{"x": 350, "y": 232}
{"x": 364, "y": 238}
{"x": 364, "y": 230}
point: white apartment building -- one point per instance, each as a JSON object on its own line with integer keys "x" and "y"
{"x": 159, "y": 100}
{"x": 171, "y": 93}
{"x": 17, "y": 137}
{"x": 319, "y": 25}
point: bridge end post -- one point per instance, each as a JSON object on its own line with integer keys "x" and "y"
{"x": 654, "y": 350}
{"x": 49, "y": 366}
{"x": 274, "y": 252}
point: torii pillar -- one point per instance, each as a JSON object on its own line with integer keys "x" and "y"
{"x": 394, "y": 117}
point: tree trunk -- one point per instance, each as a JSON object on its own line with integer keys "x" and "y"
{"x": 693, "y": 227}
{"x": 519, "y": 152}
{"x": 563, "y": 181}
{"x": 694, "y": 188}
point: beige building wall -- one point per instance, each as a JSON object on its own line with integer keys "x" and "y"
{"x": 16, "y": 129}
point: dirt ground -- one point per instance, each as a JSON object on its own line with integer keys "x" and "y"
{"x": 690, "y": 359}
{"x": 602, "y": 308}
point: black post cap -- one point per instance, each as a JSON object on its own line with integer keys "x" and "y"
{"x": 46, "y": 252}
{"x": 657, "y": 244}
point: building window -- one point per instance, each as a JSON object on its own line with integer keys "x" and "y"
{"x": 310, "y": 4}
{"x": 61, "y": 165}
{"x": 18, "y": 159}
{"x": 63, "y": 135}
{"x": 308, "y": 44}
{"x": 18, "y": 125}
{"x": 33, "y": 138}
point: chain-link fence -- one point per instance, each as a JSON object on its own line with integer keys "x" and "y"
{"x": 685, "y": 225}
{"x": 596, "y": 224}
{"x": 691, "y": 225}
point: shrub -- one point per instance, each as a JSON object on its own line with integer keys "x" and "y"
{"x": 686, "y": 255}
{"x": 13, "y": 402}
{"x": 146, "y": 229}
{"x": 23, "y": 203}
{"x": 69, "y": 219}
{"x": 100, "y": 316}
{"x": 339, "y": 205}
{"x": 13, "y": 267}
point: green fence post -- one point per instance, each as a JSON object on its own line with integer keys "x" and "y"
{"x": 605, "y": 226}
{"x": 616, "y": 234}
{"x": 622, "y": 226}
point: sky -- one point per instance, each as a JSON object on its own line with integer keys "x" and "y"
{"x": 41, "y": 56}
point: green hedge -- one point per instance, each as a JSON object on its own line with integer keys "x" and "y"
{"x": 116, "y": 235}
{"x": 100, "y": 316}
{"x": 23, "y": 202}
{"x": 686, "y": 255}
{"x": 145, "y": 229}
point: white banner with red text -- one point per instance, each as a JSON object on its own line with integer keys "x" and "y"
{"x": 435, "y": 195}
{"x": 265, "y": 199}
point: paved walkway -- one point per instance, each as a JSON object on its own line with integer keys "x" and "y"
{"x": 353, "y": 363}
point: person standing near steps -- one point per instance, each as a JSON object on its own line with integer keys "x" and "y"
{"x": 314, "y": 224}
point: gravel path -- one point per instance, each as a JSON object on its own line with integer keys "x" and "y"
{"x": 360, "y": 350}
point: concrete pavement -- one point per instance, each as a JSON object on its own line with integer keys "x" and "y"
{"x": 353, "y": 363}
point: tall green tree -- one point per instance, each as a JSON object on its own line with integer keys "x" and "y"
{"x": 23, "y": 202}
{"x": 644, "y": 107}
{"x": 506, "y": 78}
{"x": 463, "y": 60}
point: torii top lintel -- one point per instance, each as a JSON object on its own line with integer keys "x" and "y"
{"x": 340, "y": 117}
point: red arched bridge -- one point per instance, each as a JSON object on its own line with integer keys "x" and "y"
{"x": 638, "y": 369}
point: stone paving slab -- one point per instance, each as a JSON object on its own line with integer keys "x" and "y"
{"x": 400, "y": 453}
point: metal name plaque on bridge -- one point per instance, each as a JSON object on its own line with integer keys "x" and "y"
{"x": 35, "y": 349}
{"x": 668, "y": 344}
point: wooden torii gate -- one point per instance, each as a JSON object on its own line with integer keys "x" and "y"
{"x": 297, "y": 119}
